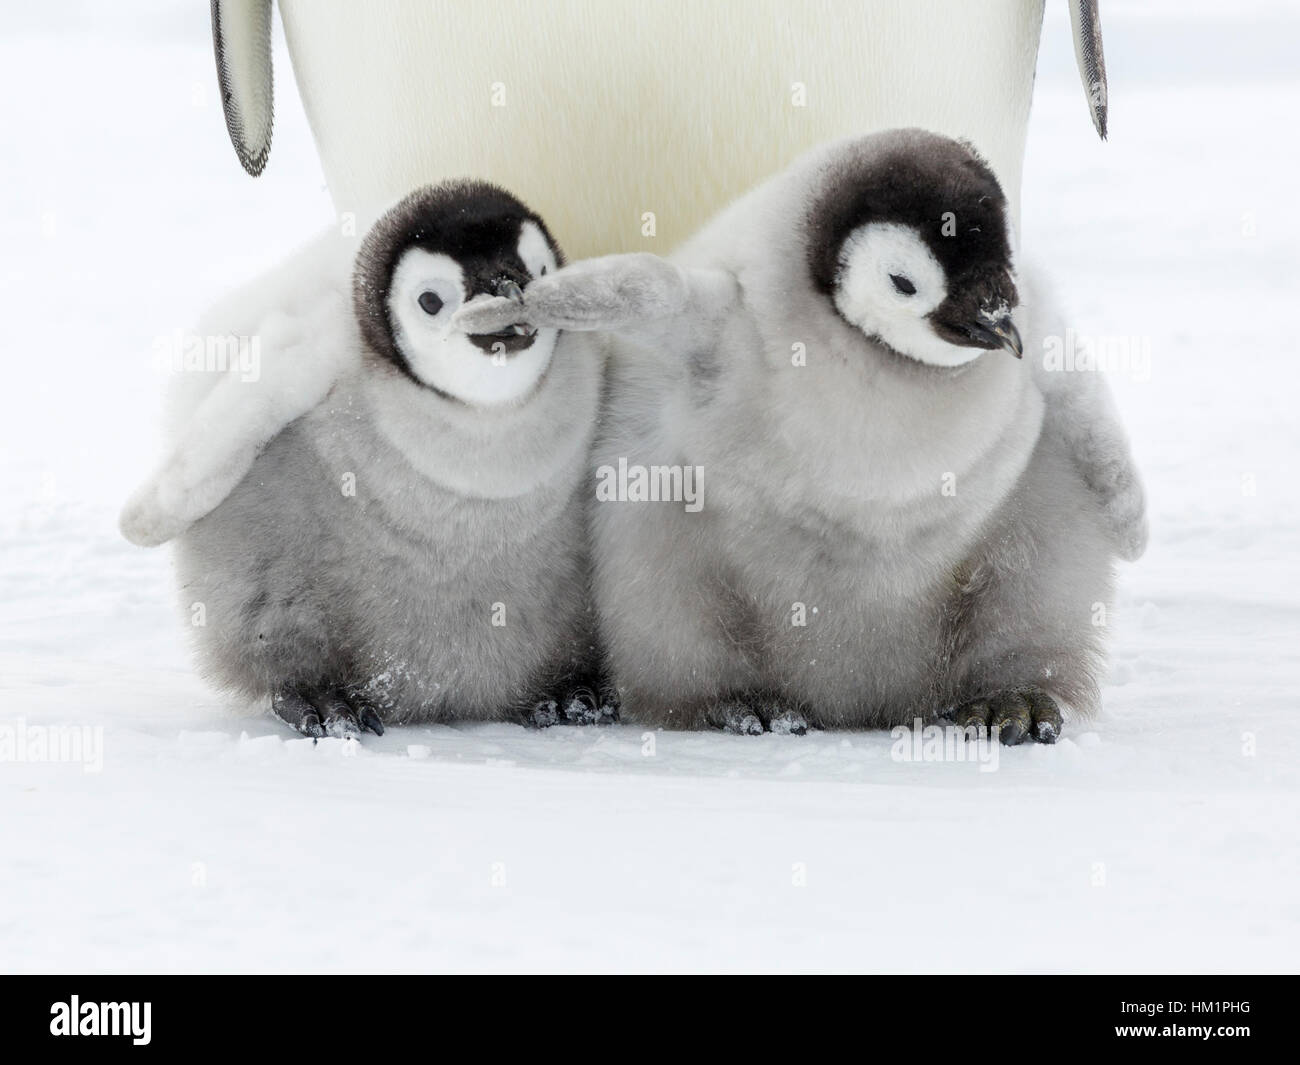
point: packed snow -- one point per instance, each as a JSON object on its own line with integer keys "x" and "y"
{"x": 193, "y": 834}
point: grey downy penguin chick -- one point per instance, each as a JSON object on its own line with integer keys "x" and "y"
{"x": 398, "y": 535}
{"x": 885, "y": 529}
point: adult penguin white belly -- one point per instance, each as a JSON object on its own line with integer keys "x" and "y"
{"x": 601, "y": 113}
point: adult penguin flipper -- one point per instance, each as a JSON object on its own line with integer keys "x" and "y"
{"x": 241, "y": 40}
{"x": 1085, "y": 22}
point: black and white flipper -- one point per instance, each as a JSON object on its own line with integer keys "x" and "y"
{"x": 241, "y": 40}
{"x": 1085, "y": 22}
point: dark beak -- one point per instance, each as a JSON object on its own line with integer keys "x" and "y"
{"x": 513, "y": 338}
{"x": 510, "y": 290}
{"x": 1000, "y": 334}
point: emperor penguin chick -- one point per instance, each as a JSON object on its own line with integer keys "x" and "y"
{"x": 885, "y": 529}
{"x": 411, "y": 548}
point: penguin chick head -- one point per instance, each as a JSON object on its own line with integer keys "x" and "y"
{"x": 439, "y": 248}
{"x": 908, "y": 239}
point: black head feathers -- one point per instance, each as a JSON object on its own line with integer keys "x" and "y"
{"x": 473, "y": 222}
{"x": 939, "y": 186}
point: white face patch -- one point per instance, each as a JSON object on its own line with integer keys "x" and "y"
{"x": 867, "y": 294}
{"x": 426, "y": 290}
{"x": 535, "y": 251}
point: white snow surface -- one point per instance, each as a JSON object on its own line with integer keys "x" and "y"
{"x": 1161, "y": 836}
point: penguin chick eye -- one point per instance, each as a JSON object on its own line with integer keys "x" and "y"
{"x": 430, "y": 302}
{"x": 903, "y": 284}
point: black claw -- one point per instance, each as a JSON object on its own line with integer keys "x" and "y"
{"x": 580, "y": 707}
{"x": 544, "y": 714}
{"x": 370, "y": 720}
{"x": 337, "y": 716}
{"x": 363, "y": 712}
{"x": 1017, "y": 714}
{"x": 974, "y": 715}
{"x": 610, "y": 703}
{"x": 1046, "y": 716}
{"x": 739, "y": 720}
{"x": 1010, "y": 715}
{"x": 293, "y": 708}
{"x": 788, "y": 723}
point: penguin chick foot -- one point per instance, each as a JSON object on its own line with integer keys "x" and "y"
{"x": 580, "y": 706}
{"x": 1018, "y": 715}
{"x": 543, "y": 714}
{"x": 746, "y": 719}
{"x": 326, "y": 712}
{"x": 583, "y": 706}
{"x": 787, "y": 723}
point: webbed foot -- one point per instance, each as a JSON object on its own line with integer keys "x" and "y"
{"x": 326, "y": 712}
{"x": 1017, "y": 715}
{"x": 580, "y": 705}
{"x": 753, "y": 718}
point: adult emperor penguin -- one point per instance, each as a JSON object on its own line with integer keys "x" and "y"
{"x": 879, "y": 525}
{"x": 405, "y": 543}
{"x": 628, "y": 124}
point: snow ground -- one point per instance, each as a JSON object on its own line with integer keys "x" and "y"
{"x": 1151, "y": 839}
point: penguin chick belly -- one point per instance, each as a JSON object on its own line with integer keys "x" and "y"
{"x": 834, "y": 605}
{"x": 1012, "y": 596}
{"x": 845, "y": 632}
{"x": 474, "y": 618}
{"x": 849, "y": 620}
{"x": 336, "y": 563}
{"x": 853, "y": 565}
{"x": 750, "y": 604}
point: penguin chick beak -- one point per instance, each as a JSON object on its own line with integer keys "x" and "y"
{"x": 509, "y": 338}
{"x": 1002, "y": 334}
{"x": 510, "y": 290}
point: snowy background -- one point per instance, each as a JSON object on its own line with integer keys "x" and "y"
{"x": 1163, "y": 836}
